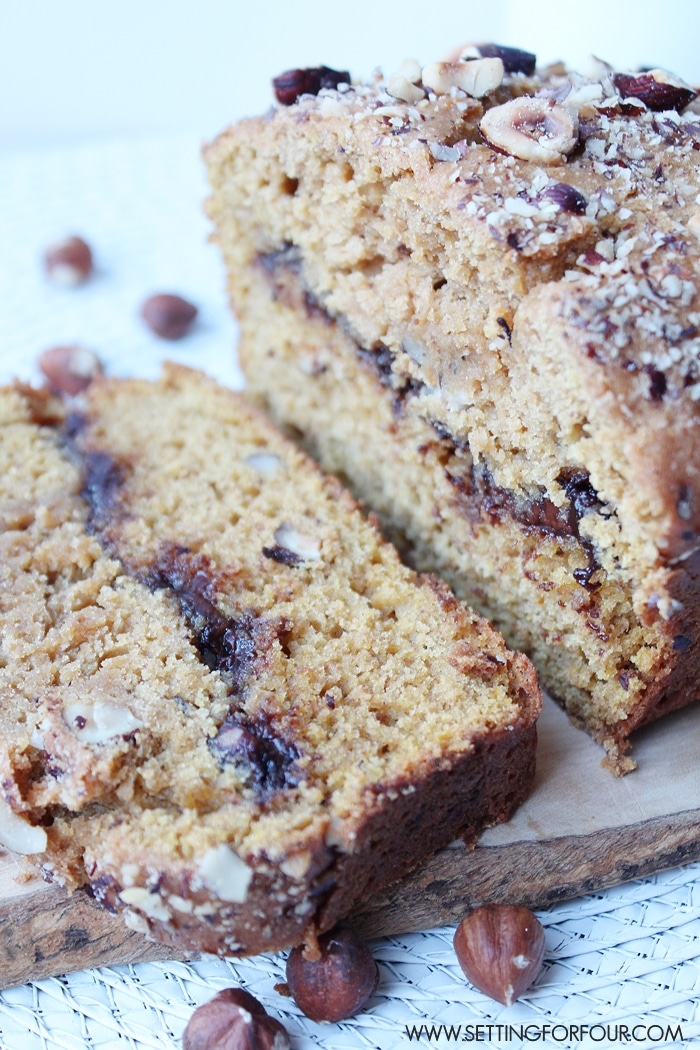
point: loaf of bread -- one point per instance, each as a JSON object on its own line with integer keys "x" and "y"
{"x": 228, "y": 710}
{"x": 471, "y": 291}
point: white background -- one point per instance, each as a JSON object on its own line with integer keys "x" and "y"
{"x": 73, "y": 71}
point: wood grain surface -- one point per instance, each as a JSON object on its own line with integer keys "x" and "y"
{"x": 581, "y": 830}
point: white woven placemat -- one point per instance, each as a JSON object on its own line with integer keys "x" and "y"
{"x": 627, "y": 959}
{"x": 622, "y": 967}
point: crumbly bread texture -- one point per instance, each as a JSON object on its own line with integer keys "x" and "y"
{"x": 228, "y": 710}
{"x": 483, "y": 313}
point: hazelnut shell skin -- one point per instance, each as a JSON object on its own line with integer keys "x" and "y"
{"x": 234, "y": 1020}
{"x": 514, "y": 59}
{"x": 339, "y": 983}
{"x": 168, "y": 316}
{"x": 69, "y": 369}
{"x": 69, "y": 262}
{"x": 500, "y": 948}
{"x": 657, "y": 95}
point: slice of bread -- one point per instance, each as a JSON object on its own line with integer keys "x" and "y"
{"x": 228, "y": 709}
{"x": 484, "y": 314}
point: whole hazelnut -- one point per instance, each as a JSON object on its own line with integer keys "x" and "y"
{"x": 500, "y": 948}
{"x": 337, "y": 984}
{"x": 233, "y": 1020}
{"x": 168, "y": 316}
{"x": 69, "y": 369}
{"x": 68, "y": 262}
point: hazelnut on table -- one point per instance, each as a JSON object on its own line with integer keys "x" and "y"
{"x": 500, "y": 948}
{"x": 234, "y": 1020}
{"x": 69, "y": 369}
{"x": 68, "y": 262}
{"x": 168, "y": 316}
{"x": 337, "y": 981}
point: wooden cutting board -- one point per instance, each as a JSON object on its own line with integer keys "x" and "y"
{"x": 581, "y": 830}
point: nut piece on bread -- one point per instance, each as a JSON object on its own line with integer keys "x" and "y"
{"x": 228, "y": 708}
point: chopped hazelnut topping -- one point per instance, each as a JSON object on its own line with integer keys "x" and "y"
{"x": 533, "y": 129}
{"x": 402, "y": 88}
{"x": 514, "y": 59}
{"x": 411, "y": 70}
{"x": 476, "y": 78}
{"x": 693, "y": 225}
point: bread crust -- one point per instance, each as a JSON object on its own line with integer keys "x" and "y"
{"x": 403, "y": 826}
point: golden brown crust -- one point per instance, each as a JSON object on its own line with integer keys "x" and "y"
{"x": 676, "y": 683}
{"x": 482, "y": 789}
